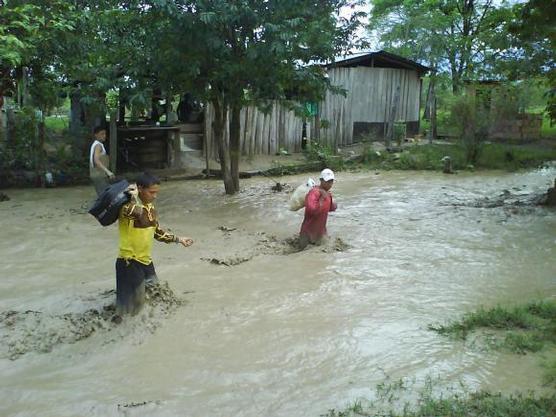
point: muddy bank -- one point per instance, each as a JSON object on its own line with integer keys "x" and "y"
{"x": 248, "y": 245}
{"x": 516, "y": 200}
{"x": 36, "y": 331}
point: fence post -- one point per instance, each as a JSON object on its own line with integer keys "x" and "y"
{"x": 392, "y": 117}
{"x": 113, "y": 141}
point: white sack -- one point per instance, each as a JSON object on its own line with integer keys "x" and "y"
{"x": 297, "y": 200}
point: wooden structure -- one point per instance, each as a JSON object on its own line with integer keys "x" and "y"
{"x": 261, "y": 133}
{"x": 147, "y": 147}
{"x": 506, "y": 119}
{"x": 380, "y": 87}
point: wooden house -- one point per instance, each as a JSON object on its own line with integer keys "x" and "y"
{"x": 376, "y": 84}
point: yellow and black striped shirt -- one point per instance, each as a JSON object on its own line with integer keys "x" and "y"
{"x": 138, "y": 225}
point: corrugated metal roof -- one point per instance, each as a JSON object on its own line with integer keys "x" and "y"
{"x": 378, "y": 59}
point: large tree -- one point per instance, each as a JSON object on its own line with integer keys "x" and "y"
{"x": 533, "y": 33}
{"x": 249, "y": 50}
{"x": 26, "y": 30}
{"x": 461, "y": 37}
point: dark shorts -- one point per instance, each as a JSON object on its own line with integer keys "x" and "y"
{"x": 131, "y": 278}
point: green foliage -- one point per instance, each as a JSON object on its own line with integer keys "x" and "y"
{"x": 448, "y": 404}
{"x": 535, "y": 321}
{"x": 112, "y": 100}
{"x": 522, "y": 342}
{"x": 67, "y": 164}
{"x": 429, "y": 157}
{"x": 324, "y": 155}
{"x": 529, "y": 328}
{"x": 461, "y": 37}
{"x": 532, "y": 31}
{"x": 370, "y": 156}
{"x": 470, "y": 120}
{"x": 56, "y": 123}
{"x": 549, "y": 377}
{"x": 22, "y": 150}
{"x": 512, "y": 158}
{"x": 27, "y": 31}
{"x": 19, "y": 27}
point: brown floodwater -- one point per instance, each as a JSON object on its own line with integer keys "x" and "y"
{"x": 264, "y": 331}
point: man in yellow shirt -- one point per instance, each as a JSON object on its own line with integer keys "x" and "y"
{"x": 138, "y": 225}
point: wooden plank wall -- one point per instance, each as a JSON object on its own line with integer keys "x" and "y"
{"x": 370, "y": 92}
{"x": 260, "y": 133}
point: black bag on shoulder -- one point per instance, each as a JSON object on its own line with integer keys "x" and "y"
{"x": 107, "y": 206}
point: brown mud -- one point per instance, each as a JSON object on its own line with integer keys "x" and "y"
{"x": 516, "y": 201}
{"x": 263, "y": 243}
{"x": 22, "y": 332}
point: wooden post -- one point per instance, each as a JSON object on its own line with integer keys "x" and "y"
{"x": 113, "y": 142}
{"x": 172, "y": 148}
{"x": 168, "y": 106}
{"x": 4, "y": 119}
{"x": 430, "y": 109}
{"x": 317, "y": 127}
{"x": 392, "y": 117}
{"x": 10, "y": 124}
{"x": 39, "y": 156}
{"x": 207, "y": 150}
{"x": 433, "y": 119}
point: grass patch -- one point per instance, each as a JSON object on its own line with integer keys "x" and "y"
{"x": 56, "y": 123}
{"x": 462, "y": 404}
{"x": 514, "y": 157}
{"x": 537, "y": 319}
{"x": 550, "y": 373}
{"x": 548, "y": 130}
{"x": 429, "y": 157}
{"x": 527, "y": 328}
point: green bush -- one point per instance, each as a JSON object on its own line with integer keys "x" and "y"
{"x": 470, "y": 121}
{"x": 317, "y": 152}
{"x": 498, "y": 156}
{"x": 22, "y": 149}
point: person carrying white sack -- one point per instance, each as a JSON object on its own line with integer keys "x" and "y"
{"x": 318, "y": 203}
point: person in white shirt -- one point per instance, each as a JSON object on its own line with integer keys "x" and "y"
{"x": 98, "y": 161}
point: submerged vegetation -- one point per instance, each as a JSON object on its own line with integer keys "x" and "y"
{"x": 527, "y": 328}
{"x": 524, "y": 328}
{"x": 483, "y": 403}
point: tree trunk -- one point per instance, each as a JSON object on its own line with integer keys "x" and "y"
{"x": 77, "y": 123}
{"x": 113, "y": 141}
{"x": 40, "y": 168}
{"x": 223, "y": 149}
{"x": 235, "y": 127}
{"x": 431, "y": 107}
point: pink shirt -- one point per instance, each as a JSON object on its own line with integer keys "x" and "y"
{"x": 316, "y": 214}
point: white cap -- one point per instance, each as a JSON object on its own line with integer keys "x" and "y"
{"x": 327, "y": 174}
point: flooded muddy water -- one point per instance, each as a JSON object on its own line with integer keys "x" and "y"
{"x": 251, "y": 327}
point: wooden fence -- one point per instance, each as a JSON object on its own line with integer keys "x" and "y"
{"x": 370, "y": 92}
{"x": 261, "y": 133}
